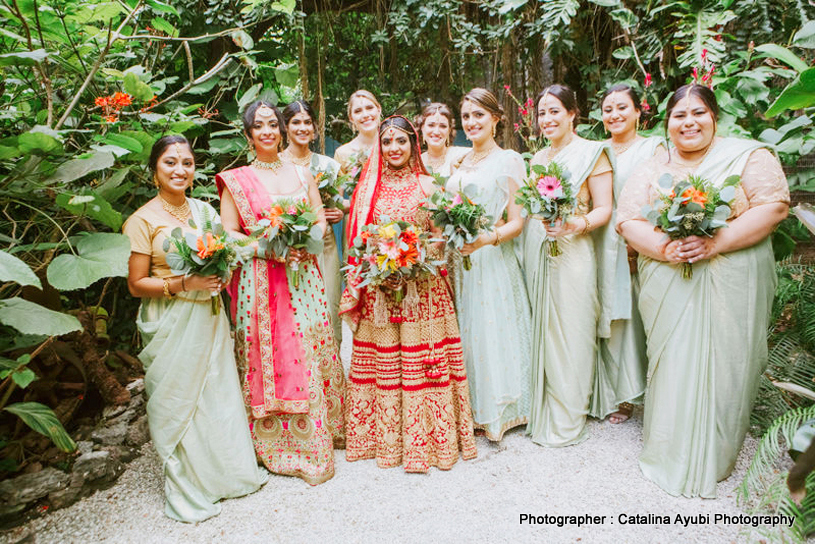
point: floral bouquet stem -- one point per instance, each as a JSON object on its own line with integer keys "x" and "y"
{"x": 466, "y": 262}
{"x": 397, "y": 295}
{"x": 215, "y": 303}
{"x": 554, "y": 248}
{"x": 687, "y": 271}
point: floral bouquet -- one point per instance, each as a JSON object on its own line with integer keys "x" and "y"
{"x": 547, "y": 194}
{"x": 328, "y": 182}
{"x": 348, "y": 181}
{"x": 212, "y": 252}
{"x": 460, "y": 219}
{"x": 290, "y": 223}
{"x": 694, "y": 207}
{"x": 392, "y": 248}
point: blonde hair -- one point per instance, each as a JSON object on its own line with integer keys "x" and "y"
{"x": 362, "y": 93}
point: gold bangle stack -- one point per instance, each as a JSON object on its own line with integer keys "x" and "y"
{"x": 497, "y": 237}
{"x": 167, "y": 293}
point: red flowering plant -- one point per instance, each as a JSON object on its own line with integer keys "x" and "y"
{"x": 547, "y": 194}
{"x": 525, "y": 128}
{"x": 646, "y": 84}
{"x": 691, "y": 207}
{"x": 703, "y": 74}
{"x": 208, "y": 252}
{"x": 112, "y": 105}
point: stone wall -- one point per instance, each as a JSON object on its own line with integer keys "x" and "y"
{"x": 99, "y": 461}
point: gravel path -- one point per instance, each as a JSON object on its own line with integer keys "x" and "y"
{"x": 477, "y": 501}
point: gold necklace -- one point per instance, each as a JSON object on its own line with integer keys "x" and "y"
{"x": 435, "y": 164}
{"x": 551, "y": 152}
{"x": 619, "y": 149}
{"x": 179, "y": 212}
{"x": 481, "y": 155}
{"x": 273, "y": 166}
{"x": 300, "y": 161}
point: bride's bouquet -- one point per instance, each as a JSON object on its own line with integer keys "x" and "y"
{"x": 390, "y": 249}
{"x": 460, "y": 219}
{"x": 290, "y": 224}
{"x": 693, "y": 207}
{"x": 547, "y": 194}
{"x": 212, "y": 252}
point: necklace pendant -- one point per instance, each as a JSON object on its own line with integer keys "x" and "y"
{"x": 273, "y": 166}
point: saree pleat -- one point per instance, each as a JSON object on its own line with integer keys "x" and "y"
{"x": 708, "y": 347}
{"x": 195, "y": 410}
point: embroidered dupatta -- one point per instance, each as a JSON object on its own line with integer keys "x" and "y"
{"x": 276, "y": 375}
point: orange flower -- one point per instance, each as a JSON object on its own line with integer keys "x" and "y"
{"x": 274, "y": 216}
{"x": 101, "y": 101}
{"x": 408, "y": 256}
{"x": 121, "y": 99}
{"x": 211, "y": 246}
{"x": 699, "y": 197}
{"x": 410, "y": 237}
{"x": 365, "y": 235}
{"x": 112, "y": 118}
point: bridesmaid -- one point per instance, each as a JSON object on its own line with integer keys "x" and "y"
{"x": 300, "y": 123}
{"x": 195, "y": 411}
{"x": 364, "y": 112}
{"x": 707, "y": 335}
{"x": 563, "y": 289}
{"x": 622, "y": 362}
{"x": 437, "y": 129}
{"x": 408, "y": 401}
{"x": 493, "y": 309}
{"x": 293, "y": 381}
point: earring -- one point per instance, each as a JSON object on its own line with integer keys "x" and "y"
{"x": 155, "y": 181}
{"x": 637, "y": 125}
{"x": 494, "y": 128}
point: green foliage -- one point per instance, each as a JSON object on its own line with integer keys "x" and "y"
{"x": 40, "y": 418}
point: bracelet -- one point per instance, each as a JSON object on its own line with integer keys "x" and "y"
{"x": 167, "y": 293}
{"x": 183, "y": 287}
{"x": 497, "y": 237}
{"x": 588, "y": 224}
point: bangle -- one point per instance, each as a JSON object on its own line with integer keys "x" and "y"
{"x": 588, "y": 224}
{"x": 167, "y": 292}
{"x": 497, "y": 237}
{"x": 183, "y": 287}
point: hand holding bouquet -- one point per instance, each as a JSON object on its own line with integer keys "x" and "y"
{"x": 391, "y": 252}
{"x": 211, "y": 252}
{"x": 693, "y": 207}
{"x": 547, "y": 194}
{"x": 290, "y": 224}
{"x": 330, "y": 189}
{"x": 348, "y": 181}
{"x": 460, "y": 219}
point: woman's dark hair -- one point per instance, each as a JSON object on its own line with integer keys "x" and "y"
{"x": 406, "y": 126}
{"x": 298, "y": 106}
{"x": 565, "y": 94}
{"x": 432, "y": 109}
{"x": 161, "y": 146}
{"x": 488, "y": 101}
{"x": 249, "y": 117}
{"x": 699, "y": 91}
{"x": 622, "y": 88}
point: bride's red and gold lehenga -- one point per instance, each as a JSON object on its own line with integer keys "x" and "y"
{"x": 407, "y": 400}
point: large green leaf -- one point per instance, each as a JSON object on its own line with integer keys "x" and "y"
{"x": 77, "y": 168}
{"x": 30, "y": 318}
{"x": 123, "y": 141}
{"x": 783, "y": 54}
{"x": 805, "y": 37}
{"x": 137, "y": 88}
{"x": 39, "y": 140}
{"x": 91, "y": 204}
{"x": 162, "y": 25}
{"x": 797, "y": 95}
{"x": 14, "y": 269}
{"x": 43, "y": 420}
{"x": 23, "y": 58}
{"x": 101, "y": 255}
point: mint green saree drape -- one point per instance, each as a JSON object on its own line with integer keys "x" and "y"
{"x": 706, "y": 336}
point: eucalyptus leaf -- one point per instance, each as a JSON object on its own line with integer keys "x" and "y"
{"x": 666, "y": 181}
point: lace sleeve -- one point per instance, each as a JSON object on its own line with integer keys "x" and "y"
{"x": 763, "y": 179}
{"x": 637, "y": 192}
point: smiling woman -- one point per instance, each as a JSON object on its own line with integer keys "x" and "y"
{"x": 436, "y": 127}
{"x": 707, "y": 334}
{"x": 195, "y": 411}
{"x": 408, "y": 400}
